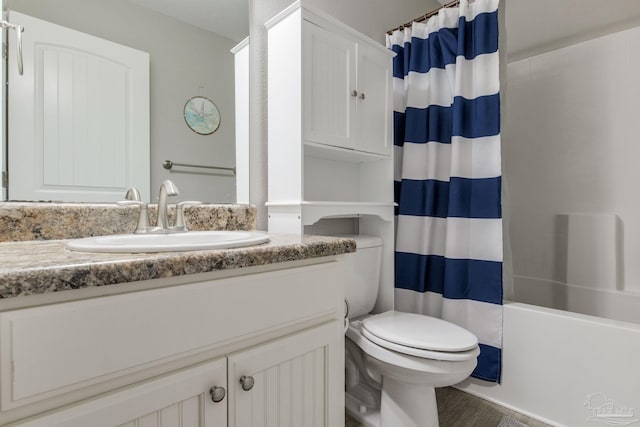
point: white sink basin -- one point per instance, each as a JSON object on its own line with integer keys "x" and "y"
{"x": 189, "y": 241}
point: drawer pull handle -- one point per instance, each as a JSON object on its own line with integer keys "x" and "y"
{"x": 362, "y": 96}
{"x": 354, "y": 93}
{"x": 217, "y": 394}
{"x": 246, "y": 382}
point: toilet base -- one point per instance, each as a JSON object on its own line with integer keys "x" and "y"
{"x": 368, "y": 417}
{"x": 418, "y": 406}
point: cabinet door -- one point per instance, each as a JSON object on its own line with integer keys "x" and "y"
{"x": 180, "y": 399}
{"x": 374, "y": 101}
{"x": 298, "y": 381}
{"x": 329, "y": 80}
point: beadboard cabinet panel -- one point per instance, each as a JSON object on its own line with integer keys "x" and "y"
{"x": 329, "y": 81}
{"x": 292, "y": 382}
{"x": 374, "y": 101}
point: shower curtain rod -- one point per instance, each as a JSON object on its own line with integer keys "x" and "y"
{"x": 425, "y": 16}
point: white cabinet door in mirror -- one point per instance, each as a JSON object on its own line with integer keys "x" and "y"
{"x": 78, "y": 117}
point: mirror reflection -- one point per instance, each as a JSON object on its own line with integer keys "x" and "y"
{"x": 101, "y": 104}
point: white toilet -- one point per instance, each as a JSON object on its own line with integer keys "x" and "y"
{"x": 395, "y": 360}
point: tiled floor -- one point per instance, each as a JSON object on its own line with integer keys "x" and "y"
{"x": 459, "y": 409}
{"x": 350, "y": 422}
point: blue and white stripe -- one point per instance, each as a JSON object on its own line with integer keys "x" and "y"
{"x": 448, "y": 173}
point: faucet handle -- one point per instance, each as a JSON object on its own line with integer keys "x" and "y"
{"x": 180, "y": 223}
{"x": 132, "y": 194}
{"x": 143, "y": 217}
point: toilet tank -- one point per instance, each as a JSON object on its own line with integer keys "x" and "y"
{"x": 362, "y": 270}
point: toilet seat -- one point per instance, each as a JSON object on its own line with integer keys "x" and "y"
{"x": 420, "y": 336}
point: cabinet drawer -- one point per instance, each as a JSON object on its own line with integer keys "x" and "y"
{"x": 50, "y": 350}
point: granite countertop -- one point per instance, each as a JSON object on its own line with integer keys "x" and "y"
{"x": 38, "y": 267}
{"x": 23, "y": 221}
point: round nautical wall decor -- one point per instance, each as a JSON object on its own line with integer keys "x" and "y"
{"x": 201, "y": 115}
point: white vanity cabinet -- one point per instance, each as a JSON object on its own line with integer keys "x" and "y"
{"x": 280, "y": 383}
{"x": 159, "y": 356}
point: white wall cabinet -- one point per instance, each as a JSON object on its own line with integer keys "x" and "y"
{"x": 330, "y": 129}
{"x": 151, "y": 357}
{"x": 345, "y": 92}
{"x": 330, "y": 121}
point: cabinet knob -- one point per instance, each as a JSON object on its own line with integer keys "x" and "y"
{"x": 217, "y": 393}
{"x": 362, "y": 96}
{"x": 354, "y": 93}
{"x": 246, "y": 382}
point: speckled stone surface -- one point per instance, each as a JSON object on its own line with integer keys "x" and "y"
{"x": 20, "y": 221}
{"x": 37, "y": 267}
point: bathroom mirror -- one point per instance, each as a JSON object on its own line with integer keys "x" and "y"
{"x": 188, "y": 43}
{"x": 569, "y": 132}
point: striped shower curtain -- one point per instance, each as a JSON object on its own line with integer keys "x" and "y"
{"x": 448, "y": 259}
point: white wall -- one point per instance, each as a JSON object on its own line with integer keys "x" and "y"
{"x": 571, "y": 139}
{"x": 371, "y": 17}
{"x": 185, "y": 61}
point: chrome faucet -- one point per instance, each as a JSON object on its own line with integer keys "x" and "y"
{"x": 167, "y": 188}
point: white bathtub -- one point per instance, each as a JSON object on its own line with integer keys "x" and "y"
{"x": 553, "y": 361}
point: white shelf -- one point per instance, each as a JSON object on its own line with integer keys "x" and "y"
{"x": 331, "y": 152}
{"x": 313, "y": 211}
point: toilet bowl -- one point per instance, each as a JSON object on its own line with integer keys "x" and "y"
{"x": 394, "y": 360}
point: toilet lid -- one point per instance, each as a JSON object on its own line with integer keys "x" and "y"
{"x": 419, "y": 331}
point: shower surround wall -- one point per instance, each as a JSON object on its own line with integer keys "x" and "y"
{"x": 571, "y": 170}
